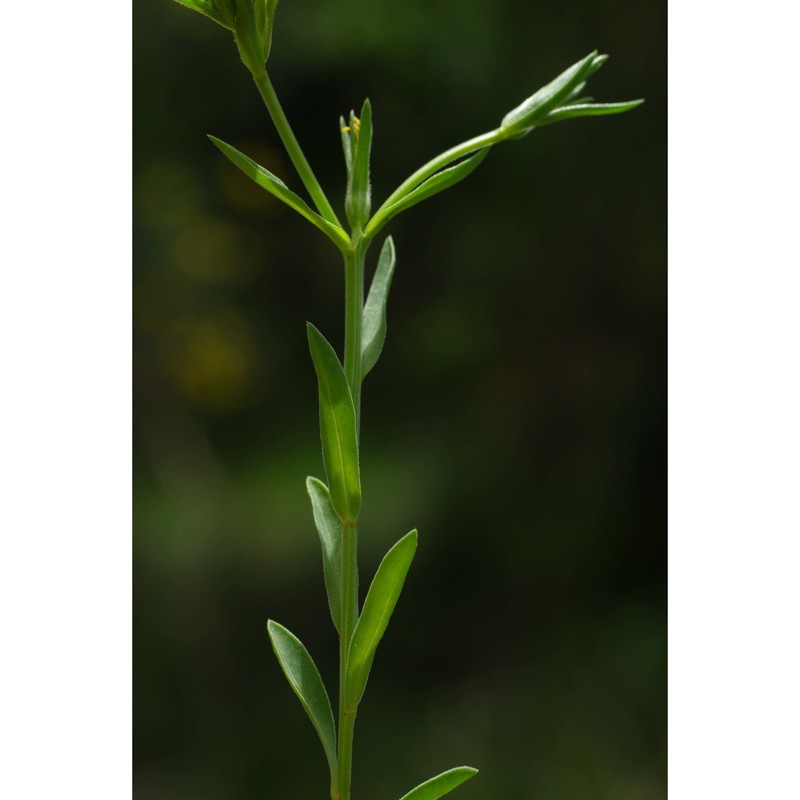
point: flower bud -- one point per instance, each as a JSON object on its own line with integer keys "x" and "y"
{"x": 250, "y": 21}
{"x": 528, "y": 114}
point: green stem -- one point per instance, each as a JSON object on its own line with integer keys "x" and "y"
{"x": 353, "y": 316}
{"x": 441, "y": 161}
{"x": 354, "y": 309}
{"x": 293, "y": 148}
{"x": 347, "y": 717}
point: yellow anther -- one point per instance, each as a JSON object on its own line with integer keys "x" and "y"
{"x": 357, "y": 125}
{"x": 346, "y": 129}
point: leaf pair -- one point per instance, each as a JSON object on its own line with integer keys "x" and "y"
{"x": 295, "y": 661}
{"x": 275, "y": 186}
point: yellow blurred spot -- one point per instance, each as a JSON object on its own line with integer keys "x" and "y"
{"x": 213, "y": 360}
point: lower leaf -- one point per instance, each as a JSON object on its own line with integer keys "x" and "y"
{"x": 305, "y": 680}
{"x": 440, "y": 785}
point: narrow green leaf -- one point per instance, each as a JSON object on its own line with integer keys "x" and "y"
{"x": 435, "y": 184}
{"x": 358, "y": 201}
{"x": 527, "y": 114}
{"x": 440, "y": 785}
{"x": 304, "y": 678}
{"x": 347, "y": 147}
{"x": 274, "y": 185}
{"x": 330, "y": 537}
{"x": 373, "y": 330}
{"x": 589, "y": 110}
{"x": 220, "y": 12}
{"x": 337, "y": 420}
{"x": 378, "y": 607}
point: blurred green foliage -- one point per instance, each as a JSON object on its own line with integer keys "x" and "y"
{"x": 523, "y": 379}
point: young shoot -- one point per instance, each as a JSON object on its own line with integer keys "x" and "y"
{"x": 336, "y": 502}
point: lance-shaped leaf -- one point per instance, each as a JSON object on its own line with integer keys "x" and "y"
{"x": 347, "y": 147}
{"x": 527, "y": 114}
{"x": 440, "y": 785}
{"x": 589, "y": 110}
{"x": 330, "y": 536}
{"x": 358, "y": 200}
{"x": 274, "y": 185}
{"x": 435, "y": 184}
{"x": 373, "y": 330}
{"x": 337, "y": 421}
{"x": 378, "y": 607}
{"x": 304, "y": 678}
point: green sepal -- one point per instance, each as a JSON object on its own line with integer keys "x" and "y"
{"x": 305, "y": 680}
{"x": 329, "y": 529}
{"x": 589, "y": 110}
{"x": 433, "y": 185}
{"x": 253, "y": 33}
{"x": 440, "y": 785}
{"x": 275, "y": 186}
{"x": 375, "y": 615}
{"x": 373, "y": 329}
{"x": 358, "y": 200}
{"x": 337, "y": 420}
{"x": 527, "y": 114}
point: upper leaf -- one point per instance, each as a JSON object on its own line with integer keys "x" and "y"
{"x": 337, "y": 418}
{"x": 589, "y": 110}
{"x": 330, "y": 536}
{"x": 378, "y": 607}
{"x": 304, "y": 678}
{"x": 435, "y": 184}
{"x": 274, "y": 185}
{"x": 440, "y": 785}
{"x": 373, "y": 331}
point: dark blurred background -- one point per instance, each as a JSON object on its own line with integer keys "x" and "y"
{"x": 517, "y": 415}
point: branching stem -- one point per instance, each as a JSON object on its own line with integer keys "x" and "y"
{"x": 441, "y": 161}
{"x": 293, "y": 148}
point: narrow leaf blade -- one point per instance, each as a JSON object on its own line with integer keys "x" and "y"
{"x": 337, "y": 419}
{"x": 435, "y": 184}
{"x": 274, "y": 185}
{"x": 330, "y": 537}
{"x": 440, "y": 785}
{"x": 589, "y": 110}
{"x": 373, "y": 331}
{"x": 305, "y": 680}
{"x": 378, "y": 607}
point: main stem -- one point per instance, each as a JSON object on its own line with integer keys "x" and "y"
{"x": 293, "y": 148}
{"x": 353, "y": 315}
